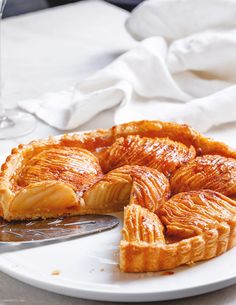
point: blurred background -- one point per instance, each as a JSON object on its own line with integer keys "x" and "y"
{"x": 18, "y": 7}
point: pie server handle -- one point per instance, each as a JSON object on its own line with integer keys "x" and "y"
{"x": 16, "y": 235}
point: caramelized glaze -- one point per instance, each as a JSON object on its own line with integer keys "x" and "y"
{"x": 164, "y": 155}
{"x": 194, "y": 213}
{"x": 77, "y": 167}
{"x": 212, "y": 172}
{"x": 140, "y": 225}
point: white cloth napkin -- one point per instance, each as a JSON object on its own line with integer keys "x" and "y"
{"x": 183, "y": 70}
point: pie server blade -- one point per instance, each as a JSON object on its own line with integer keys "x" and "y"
{"x": 36, "y": 232}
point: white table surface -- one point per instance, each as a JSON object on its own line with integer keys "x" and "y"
{"x": 43, "y": 52}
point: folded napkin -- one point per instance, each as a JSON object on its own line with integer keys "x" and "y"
{"x": 183, "y": 70}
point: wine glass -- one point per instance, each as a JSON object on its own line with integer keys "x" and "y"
{"x": 13, "y": 122}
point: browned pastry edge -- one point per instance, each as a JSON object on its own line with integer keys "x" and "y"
{"x": 151, "y": 257}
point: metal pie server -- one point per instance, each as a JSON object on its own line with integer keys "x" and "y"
{"x": 37, "y": 232}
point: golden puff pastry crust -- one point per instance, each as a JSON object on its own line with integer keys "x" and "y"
{"x": 137, "y": 167}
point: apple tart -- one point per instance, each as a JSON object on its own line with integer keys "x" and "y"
{"x": 176, "y": 187}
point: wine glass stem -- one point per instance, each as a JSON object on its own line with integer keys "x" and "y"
{"x": 2, "y": 111}
{"x": 5, "y": 122}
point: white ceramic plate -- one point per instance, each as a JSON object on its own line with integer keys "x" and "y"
{"x": 88, "y": 268}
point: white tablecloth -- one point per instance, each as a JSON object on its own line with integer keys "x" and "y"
{"x": 32, "y": 67}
